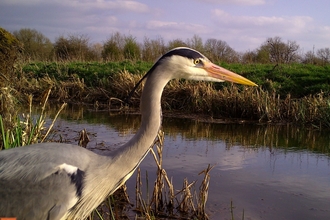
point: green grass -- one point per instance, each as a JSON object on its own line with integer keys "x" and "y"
{"x": 23, "y": 133}
{"x": 296, "y": 79}
{"x": 91, "y": 72}
{"x": 26, "y": 129}
{"x": 299, "y": 80}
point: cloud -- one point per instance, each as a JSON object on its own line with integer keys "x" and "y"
{"x": 182, "y": 26}
{"x": 96, "y": 18}
{"x": 86, "y": 5}
{"x": 21, "y": 2}
{"x": 295, "y": 24}
{"x": 236, "y": 2}
{"x": 254, "y": 29}
{"x": 100, "y": 18}
{"x": 170, "y": 30}
{"x": 127, "y": 6}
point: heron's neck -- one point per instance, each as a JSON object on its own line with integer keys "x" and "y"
{"x": 129, "y": 156}
{"x": 120, "y": 164}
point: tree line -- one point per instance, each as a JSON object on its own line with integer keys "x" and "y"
{"x": 119, "y": 47}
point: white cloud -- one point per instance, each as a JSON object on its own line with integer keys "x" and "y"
{"x": 325, "y": 33}
{"x": 253, "y": 30}
{"x": 21, "y": 2}
{"x": 121, "y": 5}
{"x": 173, "y": 30}
{"x": 161, "y": 24}
{"x": 181, "y": 26}
{"x": 290, "y": 23}
{"x": 236, "y": 2}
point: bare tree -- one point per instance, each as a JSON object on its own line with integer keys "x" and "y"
{"x": 324, "y": 55}
{"x": 97, "y": 48}
{"x": 153, "y": 49}
{"x": 291, "y": 52}
{"x": 249, "y": 57}
{"x": 113, "y": 48}
{"x": 310, "y": 58}
{"x": 176, "y": 43}
{"x": 277, "y": 51}
{"x": 74, "y": 47}
{"x": 35, "y": 45}
{"x": 218, "y": 50}
{"x": 210, "y": 48}
{"x": 196, "y": 43}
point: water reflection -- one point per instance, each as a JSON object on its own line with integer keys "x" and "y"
{"x": 272, "y": 172}
{"x": 285, "y": 137}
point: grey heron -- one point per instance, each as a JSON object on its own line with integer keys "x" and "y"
{"x": 63, "y": 181}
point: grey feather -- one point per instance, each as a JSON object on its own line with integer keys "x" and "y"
{"x": 37, "y": 183}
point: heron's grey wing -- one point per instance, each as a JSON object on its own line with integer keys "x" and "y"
{"x": 46, "y": 178}
{"x": 49, "y": 198}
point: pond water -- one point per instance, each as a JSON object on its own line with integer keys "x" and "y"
{"x": 269, "y": 171}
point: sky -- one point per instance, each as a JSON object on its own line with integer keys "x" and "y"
{"x": 243, "y": 24}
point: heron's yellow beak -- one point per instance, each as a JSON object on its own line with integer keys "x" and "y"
{"x": 226, "y": 75}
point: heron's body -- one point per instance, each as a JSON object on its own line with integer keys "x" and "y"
{"x": 61, "y": 181}
{"x": 37, "y": 174}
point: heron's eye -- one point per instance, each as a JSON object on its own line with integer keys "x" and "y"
{"x": 197, "y": 61}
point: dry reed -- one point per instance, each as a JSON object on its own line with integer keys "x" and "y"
{"x": 164, "y": 202}
{"x": 231, "y": 101}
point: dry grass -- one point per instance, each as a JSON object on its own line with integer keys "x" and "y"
{"x": 8, "y": 104}
{"x": 230, "y": 102}
{"x": 233, "y": 101}
{"x": 165, "y": 202}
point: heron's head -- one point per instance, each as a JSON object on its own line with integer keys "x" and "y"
{"x": 187, "y": 63}
{"x": 183, "y": 62}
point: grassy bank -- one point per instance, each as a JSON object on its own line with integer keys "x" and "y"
{"x": 295, "y": 93}
{"x": 298, "y": 80}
